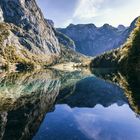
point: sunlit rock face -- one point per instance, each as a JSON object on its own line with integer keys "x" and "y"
{"x": 35, "y": 34}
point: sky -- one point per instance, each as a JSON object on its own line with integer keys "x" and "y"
{"x": 98, "y": 12}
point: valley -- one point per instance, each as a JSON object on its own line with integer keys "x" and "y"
{"x": 76, "y": 82}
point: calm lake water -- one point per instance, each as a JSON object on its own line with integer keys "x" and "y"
{"x": 67, "y": 106}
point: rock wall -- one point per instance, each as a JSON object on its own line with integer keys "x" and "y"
{"x": 92, "y": 41}
{"x": 27, "y": 15}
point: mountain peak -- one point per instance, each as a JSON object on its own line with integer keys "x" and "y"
{"x": 121, "y": 27}
{"x": 90, "y": 25}
{"x": 70, "y": 25}
{"x": 91, "y": 40}
{"x": 50, "y": 22}
{"x": 107, "y": 26}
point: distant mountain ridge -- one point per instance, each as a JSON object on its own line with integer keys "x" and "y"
{"x": 92, "y": 41}
{"x": 127, "y": 57}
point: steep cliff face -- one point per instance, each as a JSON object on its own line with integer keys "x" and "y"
{"x": 67, "y": 47}
{"x": 65, "y": 40}
{"x": 91, "y": 40}
{"x": 126, "y": 58}
{"x": 26, "y": 15}
{"x": 24, "y": 34}
{"x": 62, "y": 38}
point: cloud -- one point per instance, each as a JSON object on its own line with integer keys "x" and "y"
{"x": 64, "y": 12}
{"x": 87, "y": 9}
{"x": 67, "y": 22}
{"x": 106, "y": 11}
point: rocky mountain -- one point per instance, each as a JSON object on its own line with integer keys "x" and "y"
{"x": 121, "y": 27}
{"x": 126, "y": 58}
{"x": 25, "y": 37}
{"x": 62, "y": 38}
{"x": 67, "y": 47}
{"x": 27, "y": 40}
{"x": 125, "y": 64}
{"x": 91, "y": 40}
{"x": 26, "y": 15}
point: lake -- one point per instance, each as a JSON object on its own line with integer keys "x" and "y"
{"x": 54, "y": 105}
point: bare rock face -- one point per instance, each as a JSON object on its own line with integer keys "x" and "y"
{"x": 92, "y": 41}
{"x": 26, "y": 15}
{"x": 62, "y": 38}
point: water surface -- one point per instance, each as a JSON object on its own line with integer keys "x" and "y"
{"x": 53, "y": 105}
{"x": 96, "y": 110}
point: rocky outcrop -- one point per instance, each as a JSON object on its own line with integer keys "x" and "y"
{"x": 91, "y": 40}
{"x": 50, "y": 22}
{"x": 27, "y": 40}
{"x": 25, "y": 37}
{"x": 26, "y": 15}
{"x": 65, "y": 40}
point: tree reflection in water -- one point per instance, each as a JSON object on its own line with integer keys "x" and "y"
{"x": 25, "y": 98}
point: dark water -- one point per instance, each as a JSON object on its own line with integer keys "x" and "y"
{"x": 68, "y": 106}
{"x": 97, "y": 110}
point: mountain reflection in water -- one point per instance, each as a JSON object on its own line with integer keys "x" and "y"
{"x": 69, "y": 106}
